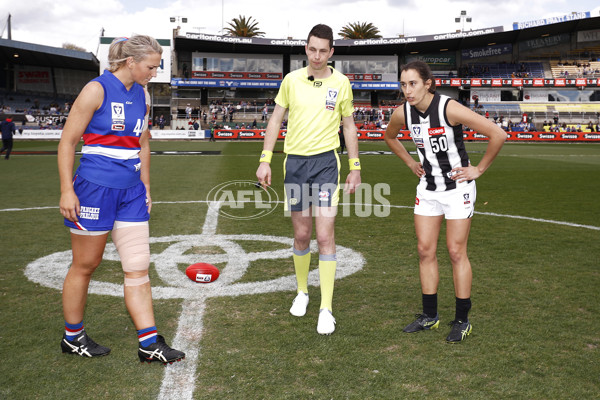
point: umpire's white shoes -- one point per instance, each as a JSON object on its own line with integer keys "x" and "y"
{"x": 326, "y": 324}
{"x": 298, "y": 308}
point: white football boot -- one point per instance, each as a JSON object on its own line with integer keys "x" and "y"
{"x": 326, "y": 324}
{"x": 298, "y": 308}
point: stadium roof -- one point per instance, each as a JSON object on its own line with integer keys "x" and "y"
{"x": 14, "y": 52}
{"x": 208, "y": 43}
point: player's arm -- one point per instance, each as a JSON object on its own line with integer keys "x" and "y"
{"x": 145, "y": 154}
{"x": 263, "y": 173}
{"x": 351, "y": 139}
{"x": 88, "y": 101}
{"x": 397, "y": 121}
{"x": 459, "y": 114}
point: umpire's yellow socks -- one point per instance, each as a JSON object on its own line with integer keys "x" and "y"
{"x": 327, "y": 266}
{"x": 302, "y": 266}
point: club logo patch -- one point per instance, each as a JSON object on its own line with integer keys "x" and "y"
{"x": 331, "y": 99}
{"x": 118, "y": 111}
{"x": 466, "y": 198}
{"x": 118, "y": 116}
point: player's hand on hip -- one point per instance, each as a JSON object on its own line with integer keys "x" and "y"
{"x": 417, "y": 169}
{"x": 461, "y": 174}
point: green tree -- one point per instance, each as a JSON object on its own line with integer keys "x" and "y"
{"x": 359, "y": 30}
{"x": 243, "y": 27}
{"x": 72, "y": 46}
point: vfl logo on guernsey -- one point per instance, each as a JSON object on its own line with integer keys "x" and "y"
{"x": 118, "y": 116}
{"x": 332, "y": 95}
{"x": 416, "y": 131}
{"x": 436, "y": 131}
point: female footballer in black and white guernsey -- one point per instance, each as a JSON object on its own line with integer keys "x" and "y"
{"x": 446, "y": 187}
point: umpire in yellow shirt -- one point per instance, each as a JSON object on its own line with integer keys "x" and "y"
{"x": 317, "y": 98}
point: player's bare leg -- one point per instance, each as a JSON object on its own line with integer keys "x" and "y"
{"x": 87, "y": 255}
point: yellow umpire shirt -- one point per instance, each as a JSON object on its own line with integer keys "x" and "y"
{"x": 315, "y": 111}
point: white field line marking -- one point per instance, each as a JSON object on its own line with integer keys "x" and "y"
{"x": 547, "y": 221}
{"x": 180, "y": 378}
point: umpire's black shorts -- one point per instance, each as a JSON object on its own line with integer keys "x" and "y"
{"x": 311, "y": 180}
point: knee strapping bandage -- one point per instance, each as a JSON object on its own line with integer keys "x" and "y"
{"x": 133, "y": 244}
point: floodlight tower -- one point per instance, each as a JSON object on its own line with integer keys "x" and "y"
{"x": 178, "y": 19}
{"x": 462, "y": 18}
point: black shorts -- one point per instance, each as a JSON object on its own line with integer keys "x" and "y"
{"x": 311, "y": 180}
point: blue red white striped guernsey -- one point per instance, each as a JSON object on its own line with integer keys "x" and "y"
{"x": 440, "y": 145}
{"x": 111, "y": 141}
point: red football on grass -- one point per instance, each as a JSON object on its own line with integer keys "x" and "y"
{"x": 202, "y": 272}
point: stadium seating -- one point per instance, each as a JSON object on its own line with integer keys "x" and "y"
{"x": 502, "y": 70}
{"x": 575, "y": 69}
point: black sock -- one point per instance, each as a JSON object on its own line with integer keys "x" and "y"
{"x": 430, "y": 305}
{"x": 462, "y": 309}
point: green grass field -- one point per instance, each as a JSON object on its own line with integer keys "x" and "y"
{"x": 534, "y": 247}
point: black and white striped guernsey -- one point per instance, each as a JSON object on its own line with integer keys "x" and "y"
{"x": 440, "y": 145}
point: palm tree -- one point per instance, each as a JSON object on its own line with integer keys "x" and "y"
{"x": 243, "y": 27}
{"x": 358, "y": 30}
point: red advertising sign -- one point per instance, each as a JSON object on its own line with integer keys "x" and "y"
{"x": 237, "y": 75}
{"x": 377, "y": 134}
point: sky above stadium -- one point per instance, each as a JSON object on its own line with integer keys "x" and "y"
{"x": 79, "y": 22}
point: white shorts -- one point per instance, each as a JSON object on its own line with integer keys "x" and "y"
{"x": 457, "y": 203}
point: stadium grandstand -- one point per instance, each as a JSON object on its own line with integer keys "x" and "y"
{"x": 39, "y": 82}
{"x": 541, "y": 77}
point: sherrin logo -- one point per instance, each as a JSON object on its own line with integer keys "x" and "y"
{"x": 436, "y": 131}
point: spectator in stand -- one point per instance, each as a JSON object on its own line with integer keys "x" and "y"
{"x": 161, "y": 122}
{"x": 8, "y": 130}
{"x": 211, "y": 134}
